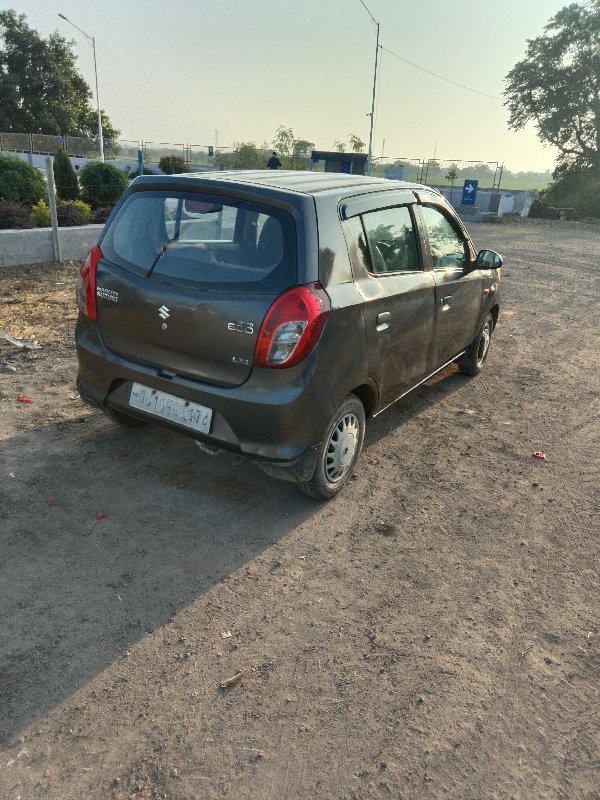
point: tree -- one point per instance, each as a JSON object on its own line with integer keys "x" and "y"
{"x": 172, "y": 165}
{"x": 339, "y": 146}
{"x": 356, "y": 143}
{"x": 67, "y": 185}
{"x": 245, "y": 155}
{"x": 41, "y": 89}
{"x": 283, "y": 140}
{"x": 557, "y": 85}
{"x": 451, "y": 176}
{"x": 102, "y": 184}
{"x": 21, "y": 183}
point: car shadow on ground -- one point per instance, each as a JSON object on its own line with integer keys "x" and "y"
{"x": 108, "y": 533}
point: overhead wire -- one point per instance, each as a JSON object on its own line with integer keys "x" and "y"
{"x": 435, "y": 74}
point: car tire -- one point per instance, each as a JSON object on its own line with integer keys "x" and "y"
{"x": 126, "y": 420}
{"x": 471, "y": 363}
{"x": 339, "y": 450}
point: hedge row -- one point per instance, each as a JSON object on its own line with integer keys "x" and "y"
{"x": 69, "y": 213}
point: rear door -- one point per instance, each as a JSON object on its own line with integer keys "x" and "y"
{"x": 398, "y": 294}
{"x": 458, "y": 288}
{"x": 186, "y": 280}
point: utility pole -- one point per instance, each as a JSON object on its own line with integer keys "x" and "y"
{"x": 372, "y": 114}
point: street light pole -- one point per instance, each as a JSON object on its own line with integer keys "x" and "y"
{"x": 372, "y": 114}
{"x": 93, "y": 41}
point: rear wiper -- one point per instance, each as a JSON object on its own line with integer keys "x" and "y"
{"x": 161, "y": 253}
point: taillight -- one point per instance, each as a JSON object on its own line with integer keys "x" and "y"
{"x": 292, "y": 326}
{"x": 86, "y": 283}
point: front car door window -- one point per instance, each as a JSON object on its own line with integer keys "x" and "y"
{"x": 458, "y": 286}
{"x": 448, "y": 249}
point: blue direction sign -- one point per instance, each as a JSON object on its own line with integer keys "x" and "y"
{"x": 210, "y": 151}
{"x": 469, "y": 192}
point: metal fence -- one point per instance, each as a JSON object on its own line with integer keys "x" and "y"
{"x": 121, "y": 149}
{"x": 437, "y": 172}
{"x": 419, "y": 170}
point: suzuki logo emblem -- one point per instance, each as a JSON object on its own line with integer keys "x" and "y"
{"x": 163, "y": 312}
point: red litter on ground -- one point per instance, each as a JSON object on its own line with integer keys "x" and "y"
{"x": 50, "y": 501}
{"x": 22, "y": 399}
{"x": 539, "y": 455}
{"x": 101, "y": 516}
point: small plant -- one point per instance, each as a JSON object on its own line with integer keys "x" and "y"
{"x": 102, "y": 214}
{"x": 172, "y": 165}
{"x": 101, "y": 184}
{"x": 19, "y": 182}
{"x": 67, "y": 185}
{"x": 40, "y": 214}
{"x": 14, "y": 215}
{"x": 69, "y": 215}
{"x": 86, "y": 210}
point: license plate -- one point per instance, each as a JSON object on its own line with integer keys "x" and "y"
{"x": 167, "y": 406}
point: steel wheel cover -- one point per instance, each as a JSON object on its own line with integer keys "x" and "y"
{"x": 341, "y": 447}
{"x": 484, "y": 344}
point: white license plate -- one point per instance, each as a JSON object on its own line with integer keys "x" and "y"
{"x": 167, "y": 406}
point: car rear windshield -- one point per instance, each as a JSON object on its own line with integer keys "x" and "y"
{"x": 203, "y": 240}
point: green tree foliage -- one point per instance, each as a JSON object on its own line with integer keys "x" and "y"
{"x": 283, "y": 141}
{"x": 576, "y": 187}
{"x": 557, "y": 85}
{"x": 245, "y": 155}
{"x": 356, "y": 143}
{"x": 41, "y": 90}
{"x": 101, "y": 184}
{"x": 20, "y": 183}
{"x": 65, "y": 179}
{"x": 172, "y": 165}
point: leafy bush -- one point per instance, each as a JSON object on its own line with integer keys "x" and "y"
{"x": 40, "y": 214}
{"x": 134, "y": 173}
{"x": 540, "y": 210}
{"x": 86, "y": 210}
{"x": 102, "y": 214}
{"x": 65, "y": 179}
{"x": 575, "y": 188}
{"x": 101, "y": 184}
{"x": 172, "y": 165}
{"x": 20, "y": 183}
{"x": 14, "y": 215}
{"x": 69, "y": 215}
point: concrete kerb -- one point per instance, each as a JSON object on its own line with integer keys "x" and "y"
{"x": 36, "y": 245}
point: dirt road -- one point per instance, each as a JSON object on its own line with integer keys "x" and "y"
{"x": 431, "y": 633}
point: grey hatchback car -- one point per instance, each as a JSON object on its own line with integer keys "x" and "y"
{"x": 272, "y": 313}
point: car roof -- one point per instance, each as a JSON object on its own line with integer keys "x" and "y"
{"x": 286, "y": 181}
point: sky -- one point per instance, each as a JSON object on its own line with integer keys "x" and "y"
{"x": 206, "y": 73}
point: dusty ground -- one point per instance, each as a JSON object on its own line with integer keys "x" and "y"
{"x": 431, "y": 633}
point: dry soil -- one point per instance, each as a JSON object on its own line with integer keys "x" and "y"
{"x": 431, "y": 633}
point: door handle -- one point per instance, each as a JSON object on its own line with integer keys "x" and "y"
{"x": 445, "y": 302}
{"x": 382, "y": 321}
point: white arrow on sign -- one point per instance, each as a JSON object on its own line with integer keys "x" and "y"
{"x": 469, "y": 188}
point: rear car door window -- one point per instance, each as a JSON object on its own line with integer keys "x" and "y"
{"x": 391, "y": 240}
{"x": 198, "y": 240}
{"x": 448, "y": 248}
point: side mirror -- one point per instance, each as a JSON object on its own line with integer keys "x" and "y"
{"x": 488, "y": 259}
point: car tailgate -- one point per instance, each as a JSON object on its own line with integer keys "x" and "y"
{"x": 208, "y": 335}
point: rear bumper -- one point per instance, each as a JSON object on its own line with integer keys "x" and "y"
{"x": 275, "y": 418}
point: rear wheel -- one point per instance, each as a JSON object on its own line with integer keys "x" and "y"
{"x": 472, "y": 361}
{"x": 339, "y": 450}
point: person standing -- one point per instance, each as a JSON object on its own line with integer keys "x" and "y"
{"x": 273, "y": 162}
